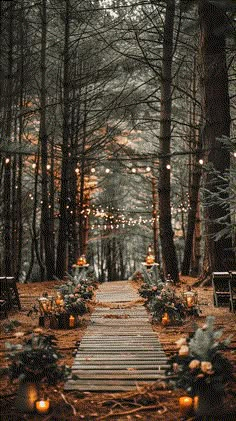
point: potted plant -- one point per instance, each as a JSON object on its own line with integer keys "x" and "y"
{"x": 32, "y": 363}
{"x": 201, "y": 370}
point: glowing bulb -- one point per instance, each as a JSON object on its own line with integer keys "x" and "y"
{"x": 107, "y": 170}
{"x": 168, "y": 166}
{"x": 48, "y": 167}
{"x": 234, "y": 154}
{"x": 133, "y": 170}
{"x": 148, "y": 169}
{"x": 200, "y": 161}
{"x": 7, "y": 160}
{"x": 34, "y": 165}
{"x": 93, "y": 170}
{"x": 77, "y": 170}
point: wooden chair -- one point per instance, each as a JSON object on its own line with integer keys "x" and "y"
{"x": 232, "y": 291}
{"x": 3, "y": 309}
{"x": 9, "y": 292}
{"x": 220, "y": 285}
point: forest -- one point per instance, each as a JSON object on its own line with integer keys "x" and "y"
{"x": 117, "y": 131}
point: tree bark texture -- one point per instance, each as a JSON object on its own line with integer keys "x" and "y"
{"x": 7, "y": 209}
{"x": 216, "y": 115}
{"x": 63, "y": 222}
{"x": 169, "y": 258}
{"x": 47, "y": 223}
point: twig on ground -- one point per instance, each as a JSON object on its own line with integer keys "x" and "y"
{"x": 131, "y": 411}
{"x": 68, "y": 403}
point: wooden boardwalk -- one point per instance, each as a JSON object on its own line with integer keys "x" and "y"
{"x": 119, "y": 349}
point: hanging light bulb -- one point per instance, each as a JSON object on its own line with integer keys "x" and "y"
{"x": 48, "y": 166}
{"x": 7, "y": 160}
{"x": 201, "y": 161}
{"x": 168, "y": 167}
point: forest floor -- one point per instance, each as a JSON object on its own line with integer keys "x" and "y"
{"x": 155, "y": 402}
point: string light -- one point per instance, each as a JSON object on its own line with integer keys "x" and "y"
{"x": 7, "y": 160}
{"x": 48, "y": 166}
{"x": 93, "y": 170}
{"x": 168, "y": 167}
{"x": 107, "y": 170}
{"x": 234, "y": 154}
{"x": 34, "y": 165}
{"x": 201, "y": 161}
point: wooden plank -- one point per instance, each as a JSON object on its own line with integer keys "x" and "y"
{"x": 109, "y": 382}
{"x": 152, "y": 365}
{"x": 124, "y": 376}
{"x": 121, "y": 348}
{"x": 99, "y": 388}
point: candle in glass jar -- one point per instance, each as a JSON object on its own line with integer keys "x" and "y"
{"x": 42, "y": 406}
{"x": 190, "y": 300}
{"x": 165, "y": 319}
{"x": 185, "y": 405}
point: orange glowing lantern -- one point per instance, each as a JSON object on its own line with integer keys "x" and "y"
{"x": 190, "y": 297}
{"x": 150, "y": 259}
{"x": 165, "y": 319}
{"x": 81, "y": 260}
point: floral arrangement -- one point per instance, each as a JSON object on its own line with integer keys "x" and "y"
{"x": 199, "y": 365}
{"x": 74, "y": 304}
{"x": 167, "y": 301}
{"x": 163, "y": 299}
{"x": 75, "y": 295}
{"x": 36, "y": 360}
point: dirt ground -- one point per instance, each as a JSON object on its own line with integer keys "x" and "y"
{"x": 153, "y": 402}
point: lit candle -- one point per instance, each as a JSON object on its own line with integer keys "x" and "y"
{"x": 71, "y": 321}
{"x": 165, "y": 319}
{"x": 190, "y": 300}
{"x": 42, "y": 406}
{"x": 185, "y": 405}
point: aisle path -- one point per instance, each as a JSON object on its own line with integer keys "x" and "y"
{"x": 119, "y": 349}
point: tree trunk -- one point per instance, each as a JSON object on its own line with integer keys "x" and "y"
{"x": 169, "y": 258}
{"x": 18, "y": 209}
{"x": 7, "y": 225}
{"x": 47, "y": 226}
{"x": 216, "y": 114}
{"x": 63, "y": 222}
